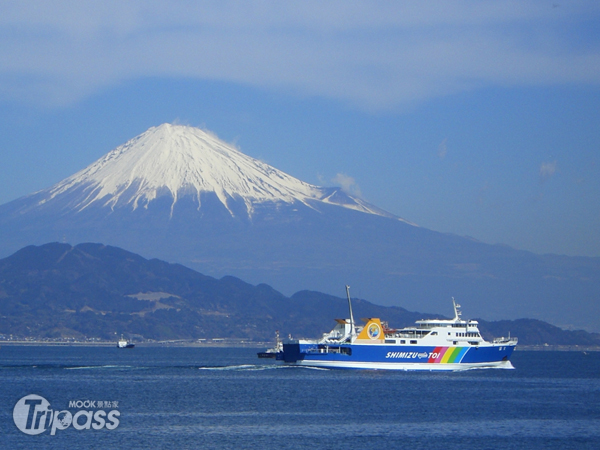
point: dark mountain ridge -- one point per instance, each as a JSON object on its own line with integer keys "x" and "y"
{"x": 92, "y": 290}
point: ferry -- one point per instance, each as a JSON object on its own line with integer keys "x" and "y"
{"x": 432, "y": 344}
{"x": 124, "y": 343}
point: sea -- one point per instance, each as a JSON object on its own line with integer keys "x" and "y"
{"x": 227, "y": 398}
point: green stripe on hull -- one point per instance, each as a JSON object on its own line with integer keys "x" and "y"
{"x": 458, "y": 353}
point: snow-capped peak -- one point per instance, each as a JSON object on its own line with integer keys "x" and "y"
{"x": 183, "y": 160}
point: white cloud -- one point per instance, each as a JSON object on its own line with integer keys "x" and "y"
{"x": 547, "y": 169}
{"x": 371, "y": 54}
{"x": 442, "y": 149}
{"x": 348, "y": 184}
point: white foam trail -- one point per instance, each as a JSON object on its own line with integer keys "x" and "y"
{"x": 98, "y": 367}
{"x": 246, "y": 367}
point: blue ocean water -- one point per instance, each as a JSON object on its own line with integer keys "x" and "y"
{"x": 226, "y": 398}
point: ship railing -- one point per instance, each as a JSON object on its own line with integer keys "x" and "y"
{"x": 324, "y": 349}
{"x": 410, "y": 335}
{"x": 506, "y": 340}
{"x": 327, "y": 341}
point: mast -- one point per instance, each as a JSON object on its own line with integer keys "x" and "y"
{"x": 352, "y": 329}
{"x": 457, "y": 312}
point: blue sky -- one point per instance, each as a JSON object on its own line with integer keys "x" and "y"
{"x": 474, "y": 118}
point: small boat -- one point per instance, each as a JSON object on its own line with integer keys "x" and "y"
{"x": 433, "y": 344}
{"x": 273, "y": 352}
{"x": 124, "y": 343}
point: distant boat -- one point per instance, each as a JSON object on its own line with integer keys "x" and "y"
{"x": 124, "y": 343}
{"x": 272, "y": 352}
{"x": 433, "y": 344}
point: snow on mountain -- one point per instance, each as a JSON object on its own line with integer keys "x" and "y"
{"x": 181, "y": 160}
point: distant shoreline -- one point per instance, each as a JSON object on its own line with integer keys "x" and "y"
{"x": 226, "y": 344}
{"x": 245, "y": 344}
{"x": 558, "y": 348}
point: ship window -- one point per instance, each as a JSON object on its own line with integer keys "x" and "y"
{"x": 390, "y": 341}
{"x": 403, "y": 341}
{"x": 455, "y": 342}
{"x": 413, "y": 342}
{"x": 434, "y": 333}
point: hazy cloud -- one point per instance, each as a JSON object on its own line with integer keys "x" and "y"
{"x": 442, "y": 149}
{"x": 348, "y": 184}
{"x": 374, "y": 55}
{"x": 547, "y": 169}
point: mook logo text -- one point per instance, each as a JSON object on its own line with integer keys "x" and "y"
{"x": 33, "y": 415}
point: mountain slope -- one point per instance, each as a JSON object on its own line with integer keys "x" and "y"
{"x": 175, "y": 161}
{"x": 93, "y": 290}
{"x": 180, "y": 194}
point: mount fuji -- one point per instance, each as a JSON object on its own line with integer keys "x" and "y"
{"x": 175, "y": 162}
{"x": 180, "y": 194}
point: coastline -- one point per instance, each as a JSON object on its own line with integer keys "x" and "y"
{"x": 225, "y": 343}
{"x": 558, "y": 348}
{"x": 241, "y": 343}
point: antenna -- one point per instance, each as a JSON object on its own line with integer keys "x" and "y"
{"x": 352, "y": 330}
{"x": 457, "y": 312}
